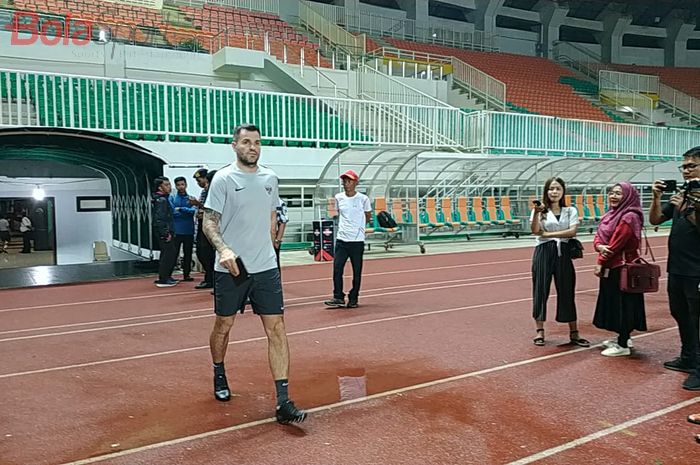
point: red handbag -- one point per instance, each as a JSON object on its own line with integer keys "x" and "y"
{"x": 640, "y": 276}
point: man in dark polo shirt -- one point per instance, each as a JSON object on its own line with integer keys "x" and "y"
{"x": 683, "y": 265}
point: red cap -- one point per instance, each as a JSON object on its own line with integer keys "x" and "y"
{"x": 350, "y": 174}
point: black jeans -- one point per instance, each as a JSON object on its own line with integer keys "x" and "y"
{"x": 186, "y": 241}
{"x": 168, "y": 258}
{"x": 343, "y": 251}
{"x": 684, "y": 301}
{"x": 206, "y": 256}
{"x": 26, "y": 242}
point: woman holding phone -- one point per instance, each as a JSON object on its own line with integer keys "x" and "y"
{"x": 553, "y": 224}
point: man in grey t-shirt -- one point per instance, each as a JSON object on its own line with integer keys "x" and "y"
{"x": 240, "y": 221}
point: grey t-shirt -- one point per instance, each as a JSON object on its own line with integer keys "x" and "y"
{"x": 246, "y": 202}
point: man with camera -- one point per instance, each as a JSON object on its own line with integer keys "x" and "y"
{"x": 683, "y": 262}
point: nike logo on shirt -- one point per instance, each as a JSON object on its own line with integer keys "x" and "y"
{"x": 239, "y": 189}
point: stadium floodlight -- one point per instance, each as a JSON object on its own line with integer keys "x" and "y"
{"x": 38, "y": 193}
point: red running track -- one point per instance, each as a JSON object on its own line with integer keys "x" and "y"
{"x": 119, "y": 373}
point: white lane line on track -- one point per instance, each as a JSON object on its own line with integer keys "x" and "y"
{"x": 322, "y": 408}
{"x": 286, "y": 283}
{"x": 604, "y": 432}
{"x": 416, "y": 288}
{"x": 210, "y": 315}
{"x": 262, "y": 338}
{"x": 485, "y": 279}
{"x": 326, "y": 278}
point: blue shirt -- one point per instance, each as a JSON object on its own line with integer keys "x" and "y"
{"x": 183, "y": 214}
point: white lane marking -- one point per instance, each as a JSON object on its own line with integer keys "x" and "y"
{"x": 322, "y": 408}
{"x": 417, "y": 288}
{"x": 604, "y": 432}
{"x": 325, "y": 278}
{"x": 485, "y": 279}
{"x": 262, "y": 338}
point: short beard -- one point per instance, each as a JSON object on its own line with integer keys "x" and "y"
{"x": 247, "y": 163}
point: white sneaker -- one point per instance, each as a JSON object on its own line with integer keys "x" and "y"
{"x": 616, "y": 351}
{"x": 610, "y": 342}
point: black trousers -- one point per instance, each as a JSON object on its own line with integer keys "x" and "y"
{"x": 343, "y": 251}
{"x": 186, "y": 241}
{"x": 206, "y": 256}
{"x": 684, "y": 301}
{"x": 547, "y": 264}
{"x": 618, "y": 311}
{"x": 26, "y": 242}
{"x": 168, "y": 258}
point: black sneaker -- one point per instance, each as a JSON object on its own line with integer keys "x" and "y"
{"x": 204, "y": 285}
{"x": 166, "y": 283}
{"x": 352, "y": 304}
{"x": 221, "y": 390}
{"x": 678, "y": 364}
{"x": 334, "y": 303}
{"x": 188, "y": 279}
{"x": 288, "y": 413}
{"x": 692, "y": 383}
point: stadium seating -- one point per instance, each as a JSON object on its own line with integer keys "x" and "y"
{"x": 205, "y": 29}
{"x": 518, "y": 72}
{"x": 686, "y": 80}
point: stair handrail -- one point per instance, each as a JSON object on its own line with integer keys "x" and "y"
{"x": 680, "y": 102}
{"x": 492, "y": 90}
{"x": 334, "y": 34}
{"x": 407, "y": 94}
{"x": 485, "y": 86}
{"x": 623, "y": 96}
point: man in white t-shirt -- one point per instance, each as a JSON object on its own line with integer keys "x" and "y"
{"x": 4, "y": 234}
{"x": 25, "y": 227}
{"x": 240, "y": 221}
{"x": 354, "y": 211}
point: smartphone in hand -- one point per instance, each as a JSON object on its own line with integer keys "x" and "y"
{"x": 670, "y": 185}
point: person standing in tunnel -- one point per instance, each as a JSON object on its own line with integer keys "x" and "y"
{"x": 163, "y": 230}
{"x": 26, "y": 229}
{"x": 205, "y": 252}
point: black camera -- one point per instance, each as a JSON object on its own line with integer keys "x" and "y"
{"x": 691, "y": 190}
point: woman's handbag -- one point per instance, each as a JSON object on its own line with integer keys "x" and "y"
{"x": 575, "y": 248}
{"x": 640, "y": 276}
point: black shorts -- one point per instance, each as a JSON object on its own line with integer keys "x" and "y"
{"x": 263, "y": 289}
{"x": 5, "y": 236}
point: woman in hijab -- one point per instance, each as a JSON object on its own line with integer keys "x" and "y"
{"x": 617, "y": 242}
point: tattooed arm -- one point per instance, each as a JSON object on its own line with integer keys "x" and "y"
{"x": 211, "y": 228}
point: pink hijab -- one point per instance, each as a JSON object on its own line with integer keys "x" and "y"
{"x": 629, "y": 211}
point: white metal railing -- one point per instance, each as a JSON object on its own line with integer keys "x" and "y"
{"x": 578, "y": 58}
{"x": 411, "y": 64}
{"x": 156, "y": 111}
{"x": 472, "y": 79}
{"x": 265, "y": 6}
{"x": 334, "y": 34}
{"x": 401, "y": 28}
{"x": 155, "y": 4}
{"x": 680, "y": 103}
{"x": 613, "y": 91}
{"x": 384, "y": 88}
{"x": 494, "y": 132}
{"x": 483, "y": 85}
{"x": 643, "y": 83}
